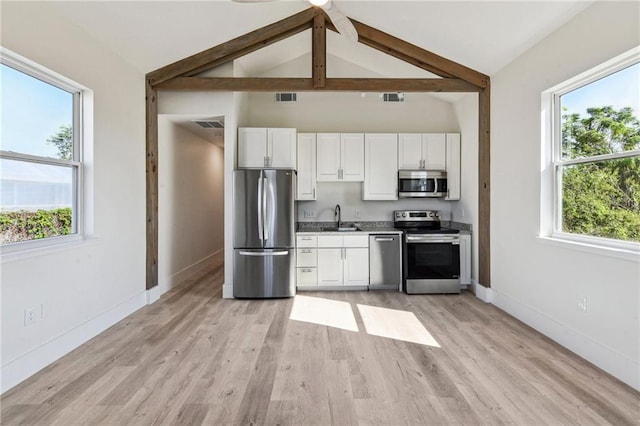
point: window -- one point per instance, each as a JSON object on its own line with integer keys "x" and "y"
{"x": 40, "y": 154}
{"x": 592, "y": 156}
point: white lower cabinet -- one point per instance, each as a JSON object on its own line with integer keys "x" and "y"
{"x": 356, "y": 266}
{"x": 333, "y": 261}
{"x": 307, "y": 277}
{"x": 330, "y": 267}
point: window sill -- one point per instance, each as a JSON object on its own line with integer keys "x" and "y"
{"x": 26, "y": 251}
{"x": 628, "y": 254}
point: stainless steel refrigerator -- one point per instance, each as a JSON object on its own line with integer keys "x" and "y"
{"x": 264, "y": 233}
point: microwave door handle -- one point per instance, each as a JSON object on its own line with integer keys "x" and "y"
{"x": 435, "y": 186}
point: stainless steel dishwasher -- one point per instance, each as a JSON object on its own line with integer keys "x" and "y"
{"x": 385, "y": 260}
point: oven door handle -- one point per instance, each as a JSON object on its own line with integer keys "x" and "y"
{"x": 447, "y": 240}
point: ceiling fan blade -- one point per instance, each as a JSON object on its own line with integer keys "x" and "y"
{"x": 341, "y": 22}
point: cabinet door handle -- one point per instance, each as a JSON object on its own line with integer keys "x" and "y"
{"x": 306, "y": 251}
{"x": 314, "y": 193}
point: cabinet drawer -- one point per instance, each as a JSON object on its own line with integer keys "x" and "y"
{"x": 306, "y": 241}
{"x": 330, "y": 241}
{"x": 306, "y": 257}
{"x": 307, "y": 277}
{"x": 356, "y": 240}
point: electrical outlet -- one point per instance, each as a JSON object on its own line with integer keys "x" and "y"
{"x": 582, "y": 304}
{"x": 308, "y": 214}
{"x": 356, "y": 213}
{"x": 29, "y": 316}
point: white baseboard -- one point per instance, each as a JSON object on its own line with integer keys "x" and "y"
{"x": 153, "y": 295}
{"x": 483, "y": 293}
{"x": 618, "y": 365}
{"x": 227, "y": 291}
{"x": 193, "y": 271}
{"x": 21, "y": 368}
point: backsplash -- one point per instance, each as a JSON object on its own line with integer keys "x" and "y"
{"x": 354, "y": 209}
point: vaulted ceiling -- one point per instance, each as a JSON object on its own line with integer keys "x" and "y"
{"x": 482, "y": 35}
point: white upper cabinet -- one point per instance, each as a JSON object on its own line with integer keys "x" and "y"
{"x": 418, "y": 151}
{"x": 435, "y": 148}
{"x": 340, "y": 157}
{"x": 281, "y": 148}
{"x": 252, "y": 146}
{"x": 380, "y": 170}
{"x": 410, "y": 151}
{"x": 328, "y": 156}
{"x": 306, "y": 186}
{"x": 265, "y": 147}
{"x": 352, "y": 156}
{"x": 453, "y": 166}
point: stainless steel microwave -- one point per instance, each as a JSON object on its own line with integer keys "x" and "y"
{"x": 422, "y": 184}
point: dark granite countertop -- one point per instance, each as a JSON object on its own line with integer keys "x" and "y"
{"x": 372, "y": 227}
{"x": 367, "y": 227}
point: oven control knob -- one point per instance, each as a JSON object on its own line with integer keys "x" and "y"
{"x": 404, "y": 215}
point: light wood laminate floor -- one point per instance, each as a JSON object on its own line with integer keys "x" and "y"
{"x": 194, "y": 358}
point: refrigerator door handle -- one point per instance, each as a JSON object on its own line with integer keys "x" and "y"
{"x": 265, "y": 213}
{"x": 260, "y": 211}
{"x": 264, "y": 254}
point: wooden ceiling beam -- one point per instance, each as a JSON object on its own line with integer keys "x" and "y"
{"x": 319, "y": 51}
{"x": 235, "y": 48}
{"x": 415, "y": 55}
{"x": 307, "y": 84}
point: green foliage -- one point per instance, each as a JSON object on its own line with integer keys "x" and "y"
{"x": 63, "y": 140}
{"x": 601, "y": 198}
{"x": 23, "y": 225}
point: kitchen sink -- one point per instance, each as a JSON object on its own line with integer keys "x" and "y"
{"x": 344, "y": 228}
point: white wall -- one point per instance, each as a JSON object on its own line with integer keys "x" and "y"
{"x": 191, "y": 204}
{"x": 536, "y": 281}
{"x": 84, "y": 287}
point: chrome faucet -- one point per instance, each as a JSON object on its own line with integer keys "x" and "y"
{"x": 336, "y": 213}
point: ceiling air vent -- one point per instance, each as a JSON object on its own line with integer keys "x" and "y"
{"x": 286, "y": 97}
{"x": 210, "y": 124}
{"x": 392, "y": 97}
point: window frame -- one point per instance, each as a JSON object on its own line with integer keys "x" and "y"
{"x": 77, "y": 163}
{"x": 553, "y": 164}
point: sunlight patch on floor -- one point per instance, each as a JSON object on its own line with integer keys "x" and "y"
{"x": 395, "y": 324}
{"x": 316, "y": 310}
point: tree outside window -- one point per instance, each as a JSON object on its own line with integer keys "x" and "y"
{"x": 598, "y": 160}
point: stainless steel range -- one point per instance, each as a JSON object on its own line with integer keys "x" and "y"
{"x": 431, "y": 255}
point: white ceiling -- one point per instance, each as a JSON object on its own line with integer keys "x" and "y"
{"x": 482, "y": 35}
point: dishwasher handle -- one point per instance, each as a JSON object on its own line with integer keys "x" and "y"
{"x": 385, "y": 239}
